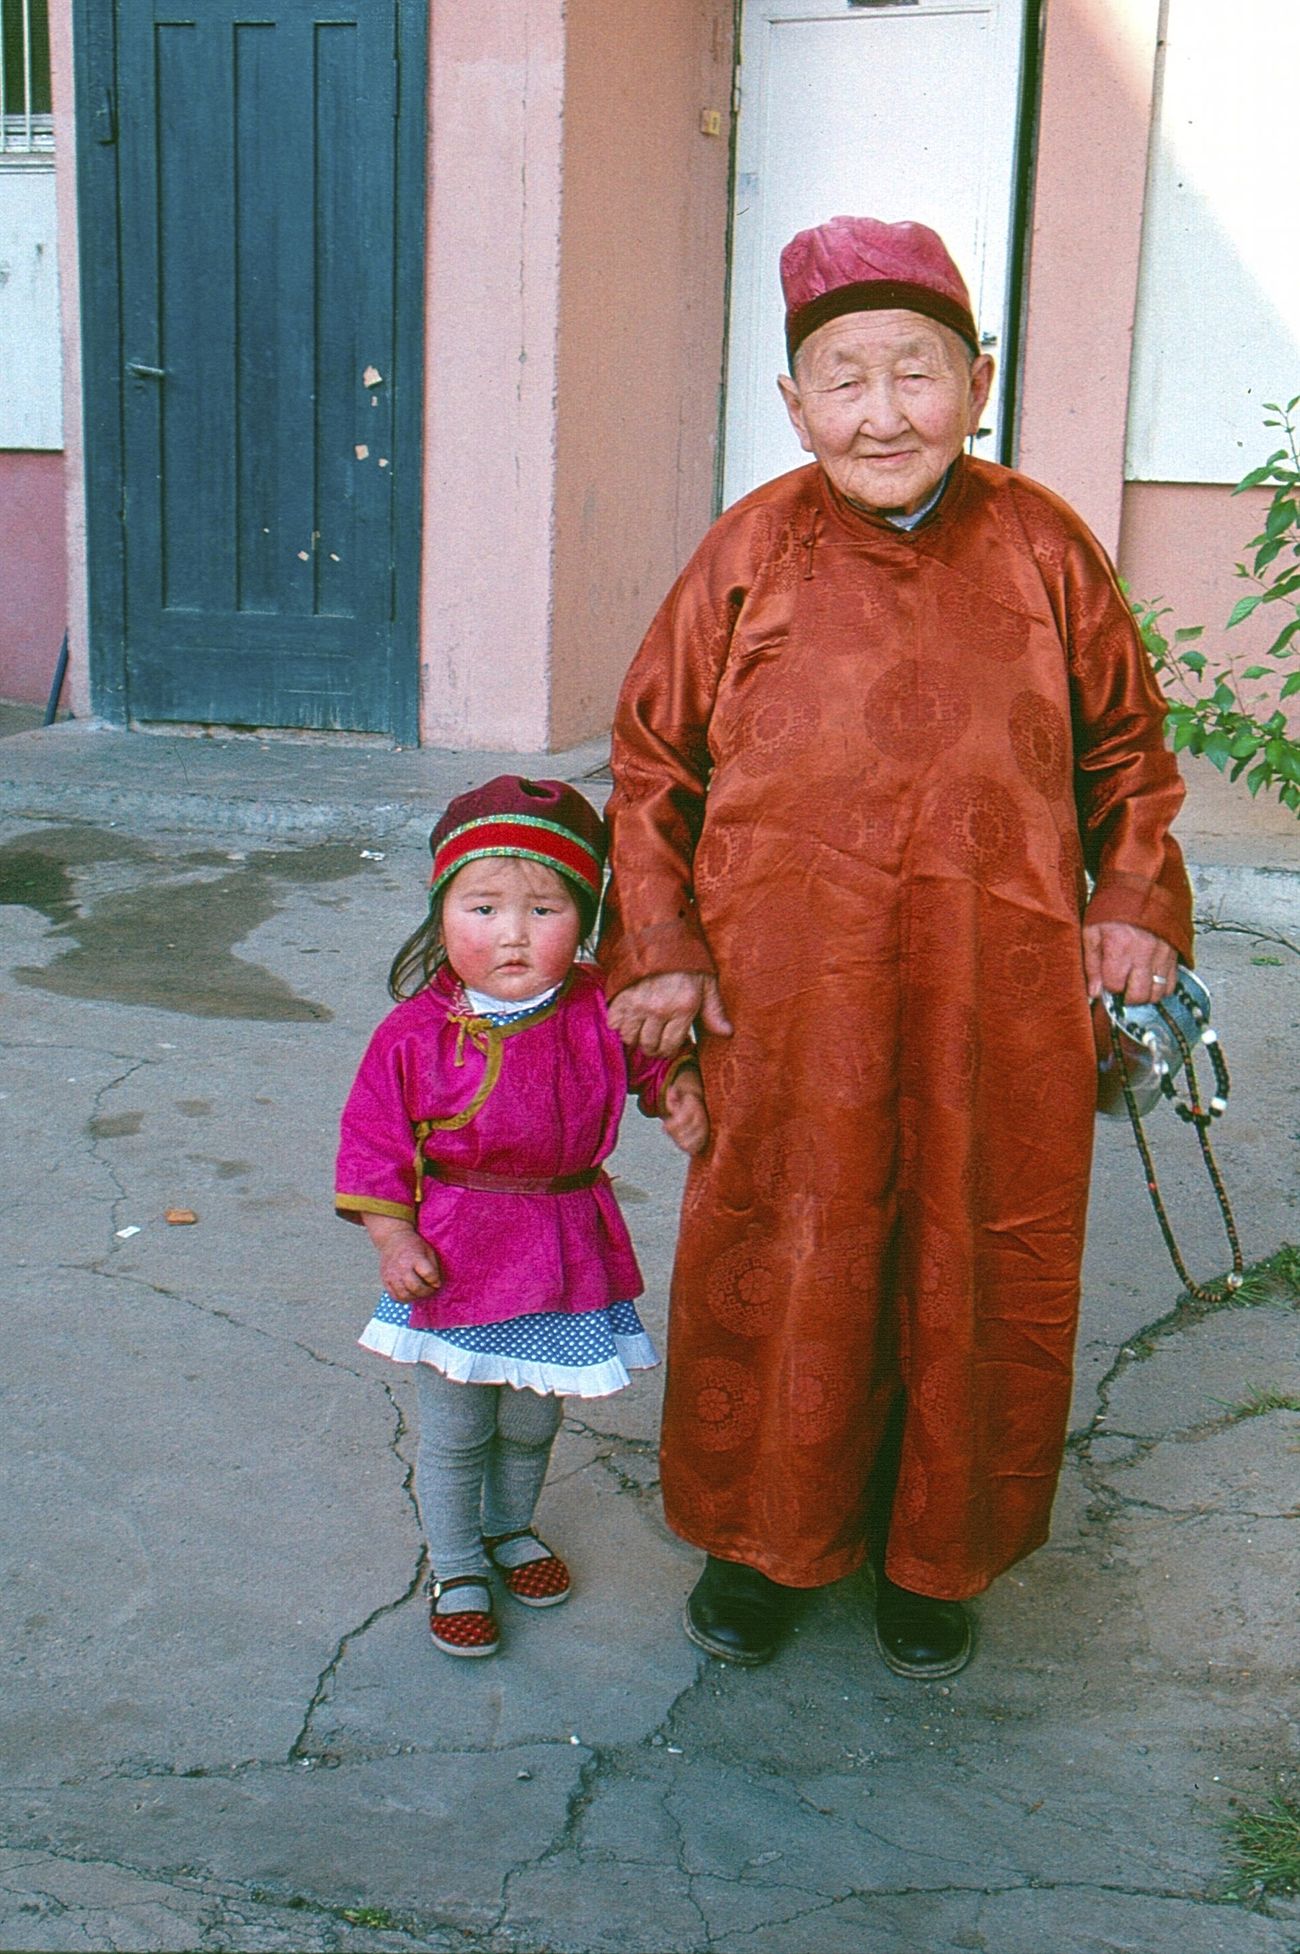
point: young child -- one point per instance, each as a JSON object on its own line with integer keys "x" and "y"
{"x": 471, "y": 1149}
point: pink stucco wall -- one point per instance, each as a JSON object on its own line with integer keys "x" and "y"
{"x": 1099, "y": 60}
{"x": 495, "y": 153}
{"x": 33, "y": 574}
{"x": 641, "y": 329}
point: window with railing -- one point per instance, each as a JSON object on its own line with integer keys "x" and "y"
{"x": 26, "y": 122}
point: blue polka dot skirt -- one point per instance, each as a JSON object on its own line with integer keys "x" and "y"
{"x": 587, "y": 1355}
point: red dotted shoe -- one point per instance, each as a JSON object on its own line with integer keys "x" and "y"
{"x": 471, "y": 1631}
{"x": 542, "y": 1582}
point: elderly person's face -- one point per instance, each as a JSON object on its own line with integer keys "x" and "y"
{"x": 885, "y": 400}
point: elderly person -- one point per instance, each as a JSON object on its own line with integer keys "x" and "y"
{"x": 891, "y": 805}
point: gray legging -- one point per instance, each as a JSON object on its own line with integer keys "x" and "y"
{"x": 484, "y": 1449}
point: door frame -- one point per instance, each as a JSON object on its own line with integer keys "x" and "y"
{"x": 1024, "y": 163}
{"x": 94, "y": 30}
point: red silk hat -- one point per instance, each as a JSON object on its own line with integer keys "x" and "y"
{"x": 859, "y": 264}
{"x": 546, "y": 820}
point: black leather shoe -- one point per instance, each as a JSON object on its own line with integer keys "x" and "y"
{"x": 735, "y": 1612}
{"x": 919, "y": 1636}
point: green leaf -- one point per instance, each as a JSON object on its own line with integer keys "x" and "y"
{"x": 1195, "y": 661}
{"x": 1257, "y": 671}
{"x": 1217, "y": 749}
{"x": 1187, "y": 632}
{"x": 1290, "y": 686}
{"x": 1283, "y": 638}
{"x": 1260, "y": 474}
{"x": 1223, "y": 696}
{"x": 1243, "y": 608}
{"x": 1259, "y": 777}
{"x": 1185, "y": 731}
{"x": 1245, "y": 744}
{"x": 1280, "y": 516}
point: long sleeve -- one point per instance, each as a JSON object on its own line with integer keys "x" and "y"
{"x": 1127, "y": 785}
{"x": 660, "y": 761}
{"x": 650, "y": 1078}
{"x": 376, "y": 1158}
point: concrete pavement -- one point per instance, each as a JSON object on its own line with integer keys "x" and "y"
{"x": 223, "y": 1727}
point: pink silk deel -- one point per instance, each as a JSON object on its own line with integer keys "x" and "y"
{"x": 551, "y": 1110}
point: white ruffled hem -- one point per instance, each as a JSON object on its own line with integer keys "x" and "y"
{"x": 406, "y": 1346}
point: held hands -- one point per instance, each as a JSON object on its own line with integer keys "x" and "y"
{"x": 1131, "y": 963}
{"x": 686, "y": 1121}
{"x": 408, "y": 1267}
{"x": 657, "y": 1012}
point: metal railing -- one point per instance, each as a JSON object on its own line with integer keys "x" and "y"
{"x": 26, "y": 122}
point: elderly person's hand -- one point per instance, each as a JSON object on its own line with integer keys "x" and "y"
{"x": 657, "y": 1012}
{"x": 1131, "y": 963}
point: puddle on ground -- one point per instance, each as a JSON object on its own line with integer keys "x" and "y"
{"x": 35, "y": 872}
{"x": 170, "y": 943}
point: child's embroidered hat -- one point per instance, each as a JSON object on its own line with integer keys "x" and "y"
{"x": 546, "y": 820}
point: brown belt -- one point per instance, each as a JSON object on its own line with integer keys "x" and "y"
{"x": 512, "y": 1183}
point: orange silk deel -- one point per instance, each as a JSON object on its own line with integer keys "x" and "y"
{"x": 859, "y": 773}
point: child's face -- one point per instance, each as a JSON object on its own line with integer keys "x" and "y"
{"x": 509, "y": 926}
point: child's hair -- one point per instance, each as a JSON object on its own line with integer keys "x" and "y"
{"x": 422, "y": 955}
{"x": 417, "y": 961}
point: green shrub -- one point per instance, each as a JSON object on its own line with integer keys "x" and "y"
{"x": 1208, "y": 711}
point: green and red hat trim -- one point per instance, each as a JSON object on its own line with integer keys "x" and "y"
{"x": 546, "y": 821}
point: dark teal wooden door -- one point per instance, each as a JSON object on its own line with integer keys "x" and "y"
{"x": 262, "y": 455}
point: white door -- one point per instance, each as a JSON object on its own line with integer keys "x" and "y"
{"x": 866, "y": 108}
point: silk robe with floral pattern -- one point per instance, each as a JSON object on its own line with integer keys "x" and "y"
{"x": 860, "y": 774}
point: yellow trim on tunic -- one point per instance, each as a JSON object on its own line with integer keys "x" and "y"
{"x": 353, "y": 1206}
{"x": 489, "y": 1039}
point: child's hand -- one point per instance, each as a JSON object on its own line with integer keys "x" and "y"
{"x": 686, "y": 1121}
{"x": 408, "y": 1267}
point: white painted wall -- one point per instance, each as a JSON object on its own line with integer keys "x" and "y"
{"x": 30, "y": 392}
{"x": 1218, "y": 316}
{"x": 897, "y": 112}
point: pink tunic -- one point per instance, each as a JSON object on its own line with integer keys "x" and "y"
{"x": 557, "y": 1082}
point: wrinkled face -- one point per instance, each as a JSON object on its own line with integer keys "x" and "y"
{"x": 885, "y": 400}
{"x": 509, "y": 926}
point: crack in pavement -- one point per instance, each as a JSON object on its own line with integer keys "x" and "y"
{"x": 223, "y": 1315}
{"x": 221, "y": 1904}
{"x": 95, "y": 1141}
{"x": 1138, "y": 1348}
{"x": 298, "y": 1752}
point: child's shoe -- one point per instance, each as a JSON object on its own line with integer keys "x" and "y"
{"x": 533, "y": 1574}
{"x": 466, "y": 1631}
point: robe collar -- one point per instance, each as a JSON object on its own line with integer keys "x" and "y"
{"x": 944, "y": 505}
